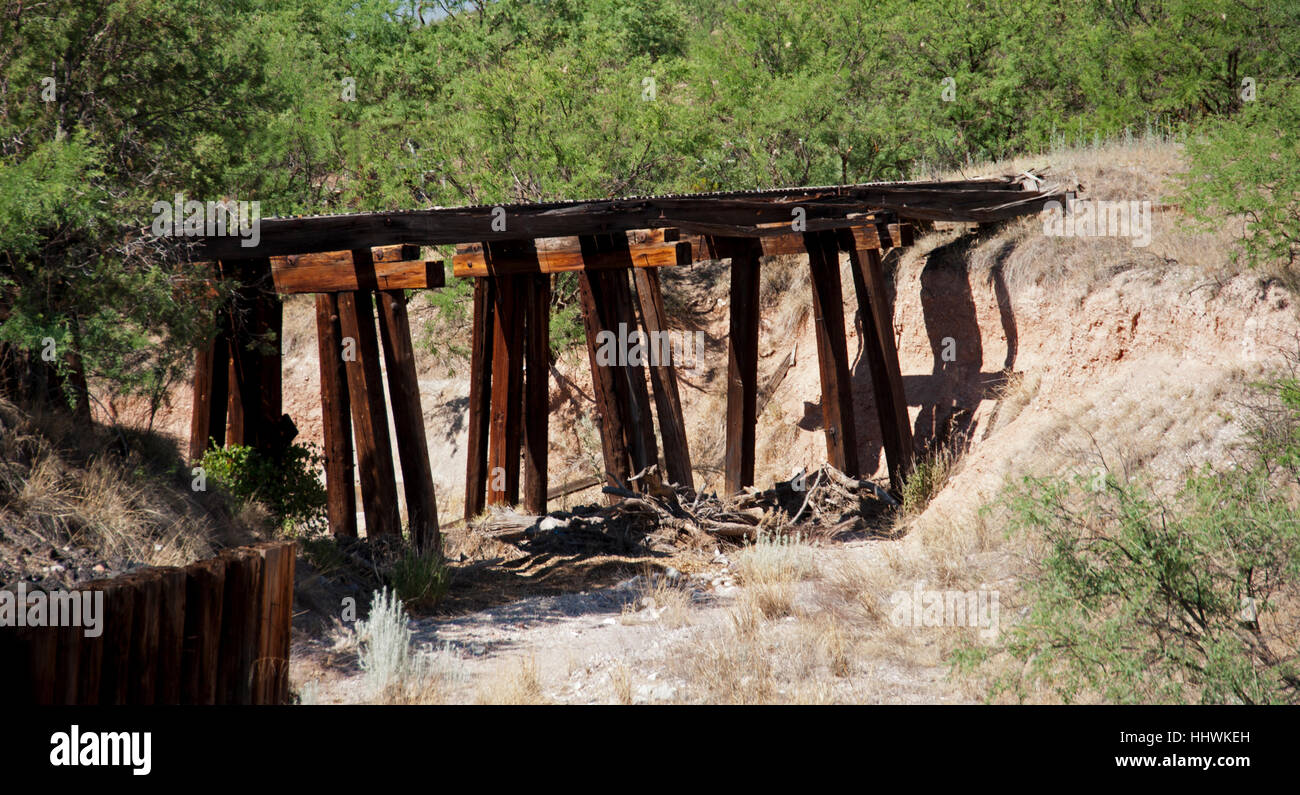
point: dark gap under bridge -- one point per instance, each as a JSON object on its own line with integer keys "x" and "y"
{"x": 356, "y": 263}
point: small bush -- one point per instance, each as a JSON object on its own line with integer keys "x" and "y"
{"x": 929, "y": 474}
{"x": 420, "y": 579}
{"x": 385, "y": 643}
{"x": 1141, "y": 599}
{"x": 288, "y": 485}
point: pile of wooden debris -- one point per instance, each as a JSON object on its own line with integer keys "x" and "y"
{"x": 662, "y": 518}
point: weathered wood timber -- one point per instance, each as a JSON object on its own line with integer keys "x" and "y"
{"x": 480, "y": 397}
{"x": 734, "y": 214}
{"x": 507, "y": 382}
{"x": 369, "y": 415}
{"x": 390, "y": 268}
{"x": 408, "y": 420}
{"x": 876, "y": 313}
{"x": 336, "y": 419}
{"x": 832, "y": 353}
{"x": 663, "y": 379}
{"x": 647, "y": 248}
{"x": 742, "y": 359}
{"x": 537, "y": 374}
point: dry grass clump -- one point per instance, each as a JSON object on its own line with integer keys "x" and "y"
{"x": 770, "y": 568}
{"x": 516, "y": 684}
{"x": 660, "y": 601}
{"x": 124, "y": 497}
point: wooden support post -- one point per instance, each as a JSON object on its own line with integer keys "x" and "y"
{"x": 882, "y": 353}
{"x": 480, "y": 396}
{"x": 271, "y": 323}
{"x": 369, "y": 415}
{"x": 663, "y": 379}
{"x": 507, "y": 393}
{"x": 613, "y": 439}
{"x": 832, "y": 352}
{"x": 336, "y": 420}
{"x": 142, "y": 670}
{"x": 240, "y": 626}
{"x": 119, "y": 629}
{"x": 235, "y": 403}
{"x": 537, "y": 379}
{"x": 90, "y": 666}
{"x": 742, "y": 360}
{"x": 270, "y": 670}
{"x": 408, "y": 420}
{"x": 211, "y": 384}
{"x": 67, "y": 659}
{"x": 171, "y": 634}
{"x": 634, "y": 397}
{"x": 204, "y": 588}
{"x": 255, "y": 371}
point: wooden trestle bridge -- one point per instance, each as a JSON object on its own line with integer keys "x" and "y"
{"x": 355, "y": 263}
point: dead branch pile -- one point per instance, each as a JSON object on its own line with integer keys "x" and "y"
{"x": 656, "y": 517}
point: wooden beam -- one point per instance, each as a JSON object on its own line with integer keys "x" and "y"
{"x": 832, "y": 353}
{"x": 211, "y": 386}
{"x": 646, "y": 248}
{"x": 733, "y": 214}
{"x": 336, "y": 419}
{"x": 204, "y": 589}
{"x": 408, "y": 420}
{"x": 369, "y": 416}
{"x": 663, "y": 379}
{"x": 389, "y": 268}
{"x": 480, "y": 397}
{"x": 609, "y": 420}
{"x": 507, "y": 397}
{"x": 742, "y": 360}
{"x": 248, "y": 331}
{"x": 270, "y": 313}
{"x": 877, "y": 317}
{"x": 537, "y": 370}
{"x": 379, "y": 256}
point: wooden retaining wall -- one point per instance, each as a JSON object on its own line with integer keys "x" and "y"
{"x": 213, "y": 632}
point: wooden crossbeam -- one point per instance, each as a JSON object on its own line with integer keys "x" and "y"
{"x": 778, "y": 239}
{"x": 388, "y": 268}
{"x": 646, "y": 248}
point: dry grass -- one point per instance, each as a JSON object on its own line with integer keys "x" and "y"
{"x": 660, "y": 601}
{"x": 124, "y": 497}
{"x": 517, "y": 683}
{"x": 620, "y": 681}
{"x": 770, "y": 569}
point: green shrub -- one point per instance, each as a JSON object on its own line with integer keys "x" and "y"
{"x": 420, "y": 579}
{"x": 1143, "y": 599}
{"x": 929, "y": 473}
{"x": 1248, "y": 167}
{"x": 288, "y": 485}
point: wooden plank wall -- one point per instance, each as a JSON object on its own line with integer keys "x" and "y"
{"x": 214, "y": 632}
